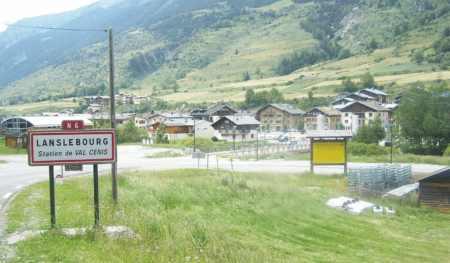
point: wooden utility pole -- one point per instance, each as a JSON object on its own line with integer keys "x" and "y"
{"x": 113, "y": 110}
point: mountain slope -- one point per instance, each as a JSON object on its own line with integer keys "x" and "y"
{"x": 200, "y": 49}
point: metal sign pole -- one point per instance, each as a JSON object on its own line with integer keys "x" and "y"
{"x": 52, "y": 196}
{"x": 96, "y": 203}
{"x": 113, "y": 111}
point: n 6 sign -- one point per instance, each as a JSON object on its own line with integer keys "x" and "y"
{"x": 72, "y": 125}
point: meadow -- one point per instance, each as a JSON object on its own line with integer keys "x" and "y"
{"x": 222, "y": 216}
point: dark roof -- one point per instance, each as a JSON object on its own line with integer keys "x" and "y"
{"x": 212, "y": 110}
{"x": 240, "y": 120}
{"x": 439, "y": 176}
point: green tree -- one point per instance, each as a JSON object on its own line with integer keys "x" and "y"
{"x": 348, "y": 85}
{"x": 246, "y": 76}
{"x": 160, "y": 132}
{"x": 423, "y": 116}
{"x": 377, "y": 131}
{"x": 300, "y": 125}
{"x": 285, "y": 127}
{"x": 130, "y": 133}
{"x": 363, "y": 135}
{"x": 368, "y": 81}
{"x": 340, "y": 126}
{"x": 373, "y": 44}
{"x": 267, "y": 126}
{"x": 418, "y": 56}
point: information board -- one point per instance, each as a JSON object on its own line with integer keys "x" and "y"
{"x": 329, "y": 152}
{"x": 49, "y": 147}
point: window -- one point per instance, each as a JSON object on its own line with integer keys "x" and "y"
{"x": 253, "y": 136}
{"x": 346, "y": 115}
{"x": 370, "y": 114}
{"x": 226, "y": 128}
{"x": 346, "y": 121}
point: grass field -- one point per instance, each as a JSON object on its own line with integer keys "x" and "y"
{"x": 220, "y": 216}
{"x": 38, "y": 107}
{"x": 396, "y": 158}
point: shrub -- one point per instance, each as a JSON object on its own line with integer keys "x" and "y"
{"x": 360, "y": 149}
{"x": 447, "y": 152}
{"x": 214, "y": 139}
{"x": 200, "y": 142}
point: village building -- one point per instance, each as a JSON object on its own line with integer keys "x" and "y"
{"x": 213, "y": 113}
{"x": 378, "y": 95}
{"x": 204, "y": 129}
{"x": 365, "y": 112}
{"x": 321, "y": 118}
{"x": 123, "y": 119}
{"x": 434, "y": 190}
{"x": 358, "y": 96}
{"x": 15, "y": 129}
{"x": 93, "y": 108}
{"x": 236, "y": 128}
{"x": 278, "y": 115}
{"x": 137, "y": 99}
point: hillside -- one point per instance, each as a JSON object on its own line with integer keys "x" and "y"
{"x": 199, "y": 52}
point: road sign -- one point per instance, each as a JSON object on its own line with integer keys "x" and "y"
{"x": 72, "y": 125}
{"x": 199, "y": 155}
{"x": 49, "y": 147}
{"x": 73, "y": 167}
{"x": 59, "y": 179}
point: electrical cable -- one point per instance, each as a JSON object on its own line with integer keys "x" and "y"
{"x": 67, "y": 29}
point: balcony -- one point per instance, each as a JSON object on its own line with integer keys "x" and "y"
{"x": 231, "y": 132}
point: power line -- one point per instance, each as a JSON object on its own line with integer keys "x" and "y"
{"x": 67, "y": 29}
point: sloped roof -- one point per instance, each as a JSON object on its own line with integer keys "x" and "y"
{"x": 375, "y": 91}
{"x": 327, "y": 110}
{"x": 439, "y": 176}
{"x": 284, "y": 107}
{"x": 361, "y": 95}
{"x": 53, "y": 121}
{"x": 367, "y": 104}
{"x": 240, "y": 120}
{"x": 211, "y": 110}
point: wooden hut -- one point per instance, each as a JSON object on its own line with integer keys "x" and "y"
{"x": 434, "y": 190}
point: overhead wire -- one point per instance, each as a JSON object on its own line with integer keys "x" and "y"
{"x": 56, "y": 28}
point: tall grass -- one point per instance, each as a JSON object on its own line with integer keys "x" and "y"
{"x": 220, "y": 216}
{"x": 396, "y": 158}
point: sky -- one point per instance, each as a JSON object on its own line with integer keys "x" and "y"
{"x": 12, "y": 11}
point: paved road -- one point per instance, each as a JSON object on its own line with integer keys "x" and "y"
{"x": 16, "y": 174}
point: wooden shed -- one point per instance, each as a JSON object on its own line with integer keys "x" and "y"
{"x": 434, "y": 190}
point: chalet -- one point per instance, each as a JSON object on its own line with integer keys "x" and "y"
{"x": 236, "y": 128}
{"x": 213, "y": 113}
{"x": 94, "y": 108}
{"x": 313, "y": 118}
{"x": 341, "y": 102}
{"x": 358, "y": 96}
{"x": 100, "y": 100}
{"x": 122, "y": 119}
{"x": 175, "y": 129}
{"x": 365, "y": 112}
{"x": 137, "y": 99}
{"x": 278, "y": 115}
{"x": 167, "y": 116}
{"x": 15, "y": 129}
{"x": 379, "y": 96}
{"x": 434, "y": 190}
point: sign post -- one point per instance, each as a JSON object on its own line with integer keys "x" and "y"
{"x": 72, "y": 147}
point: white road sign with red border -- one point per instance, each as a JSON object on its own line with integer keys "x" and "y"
{"x": 71, "y": 147}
